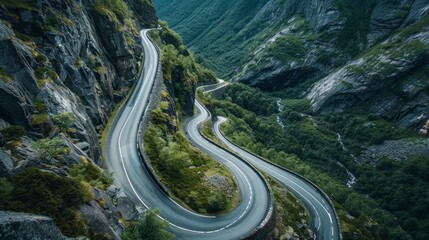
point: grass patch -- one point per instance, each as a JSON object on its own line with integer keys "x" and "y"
{"x": 5, "y": 76}
{"x": 23, "y": 4}
{"x": 40, "y": 119}
{"x": 114, "y": 9}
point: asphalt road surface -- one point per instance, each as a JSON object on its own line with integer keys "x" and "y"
{"x": 132, "y": 176}
{"x": 325, "y": 224}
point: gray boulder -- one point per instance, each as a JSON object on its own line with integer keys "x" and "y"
{"x": 23, "y": 226}
{"x": 6, "y": 164}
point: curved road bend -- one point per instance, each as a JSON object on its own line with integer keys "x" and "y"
{"x": 323, "y": 216}
{"x": 131, "y": 175}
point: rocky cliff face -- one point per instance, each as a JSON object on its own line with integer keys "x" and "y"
{"x": 390, "y": 77}
{"x": 367, "y": 55}
{"x": 68, "y": 57}
{"x": 26, "y": 226}
{"x": 73, "y": 56}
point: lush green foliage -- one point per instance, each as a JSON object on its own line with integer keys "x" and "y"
{"x": 178, "y": 63}
{"x": 64, "y": 120}
{"x": 150, "y": 227}
{"x": 180, "y": 70}
{"x": 47, "y": 148}
{"x": 402, "y": 188}
{"x": 309, "y": 146}
{"x": 38, "y": 192}
{"x": 112, "y": 8}
{"x": 13, "y": 132}
{"x": 218, "y": 31}
{"x": 118, "y": 11}
{"x": 88, "y": 172}
{"x": 183, "y": 168}
{"x": 288, "y": 48}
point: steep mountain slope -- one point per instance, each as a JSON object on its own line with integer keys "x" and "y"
{"x": 64, "y": 66}
{"x": 287, "y": 46}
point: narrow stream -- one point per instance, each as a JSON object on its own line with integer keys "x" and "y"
{"x": 352, "y": 178}
{"x": 280, "y": 108}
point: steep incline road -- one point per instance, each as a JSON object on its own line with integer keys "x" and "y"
{"x": 131, "y": 175}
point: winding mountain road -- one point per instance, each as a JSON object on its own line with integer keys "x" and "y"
{"x": 324, "y": 219}
{"x": 122, "y": 158}
{"x": 131, "y": 175}
{"x": 325, "y": 223}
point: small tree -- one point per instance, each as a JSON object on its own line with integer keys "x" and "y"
{"x": 13, "y": 132}
{"x": 149, "y": 227}
{"x": 217, "y": 202}
{"x": 52, "y": 148}
{"x": 6, "y": 189}
{"x": 64, "y": 120}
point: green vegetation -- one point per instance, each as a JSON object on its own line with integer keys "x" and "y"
{"x": 38, "y": 192}
{"x": 64, "y": 121}
{"x": 150, "y": 227}
{"x": 401, "y": 188}
{"x": 87, "y": 172}
{"x": 217, "y": 31}
{"x": 178, "y": 60}
{"x": 40, "y": 119}
{"x": 288, "y": 48}
{"x": 47, "y": 148}
{"x": 118, "y": 11}
{"x": 180, "y": 70}
{"x": 5, "y": 76}
{"x": 309, "y": 146}
{"x": 289, "y": 212}
{"x": 183, "y": 169}
{"x": 13, "y": 132}
{"x": 23, "y": 4}
{"x": 112, "y": 8}
{"x": 55, "y": 19}
{"x": 45, "y": 75}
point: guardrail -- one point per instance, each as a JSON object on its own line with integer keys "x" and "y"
{"x": 145, "y": 120}
{"x": 268, "y": 224}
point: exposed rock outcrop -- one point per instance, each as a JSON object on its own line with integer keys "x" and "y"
{"x": 6, "y": 164}
{"x": 23, "y": 226}
{"x": 103, "y": 215}
{"x": 316, "y": 49}
{"x": 70, "y": 57}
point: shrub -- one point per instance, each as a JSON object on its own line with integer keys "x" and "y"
{"x": 88, "y": 172}
{"x": 217, "y": 202}
{"x": 40, "y": 119}
{"x": 52, "y": 148}
{"x": 13, "y": 132}
{"x": 150, "y": 227}
{"x": 46, "y": 193}
{"x": 64, "y": 120}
